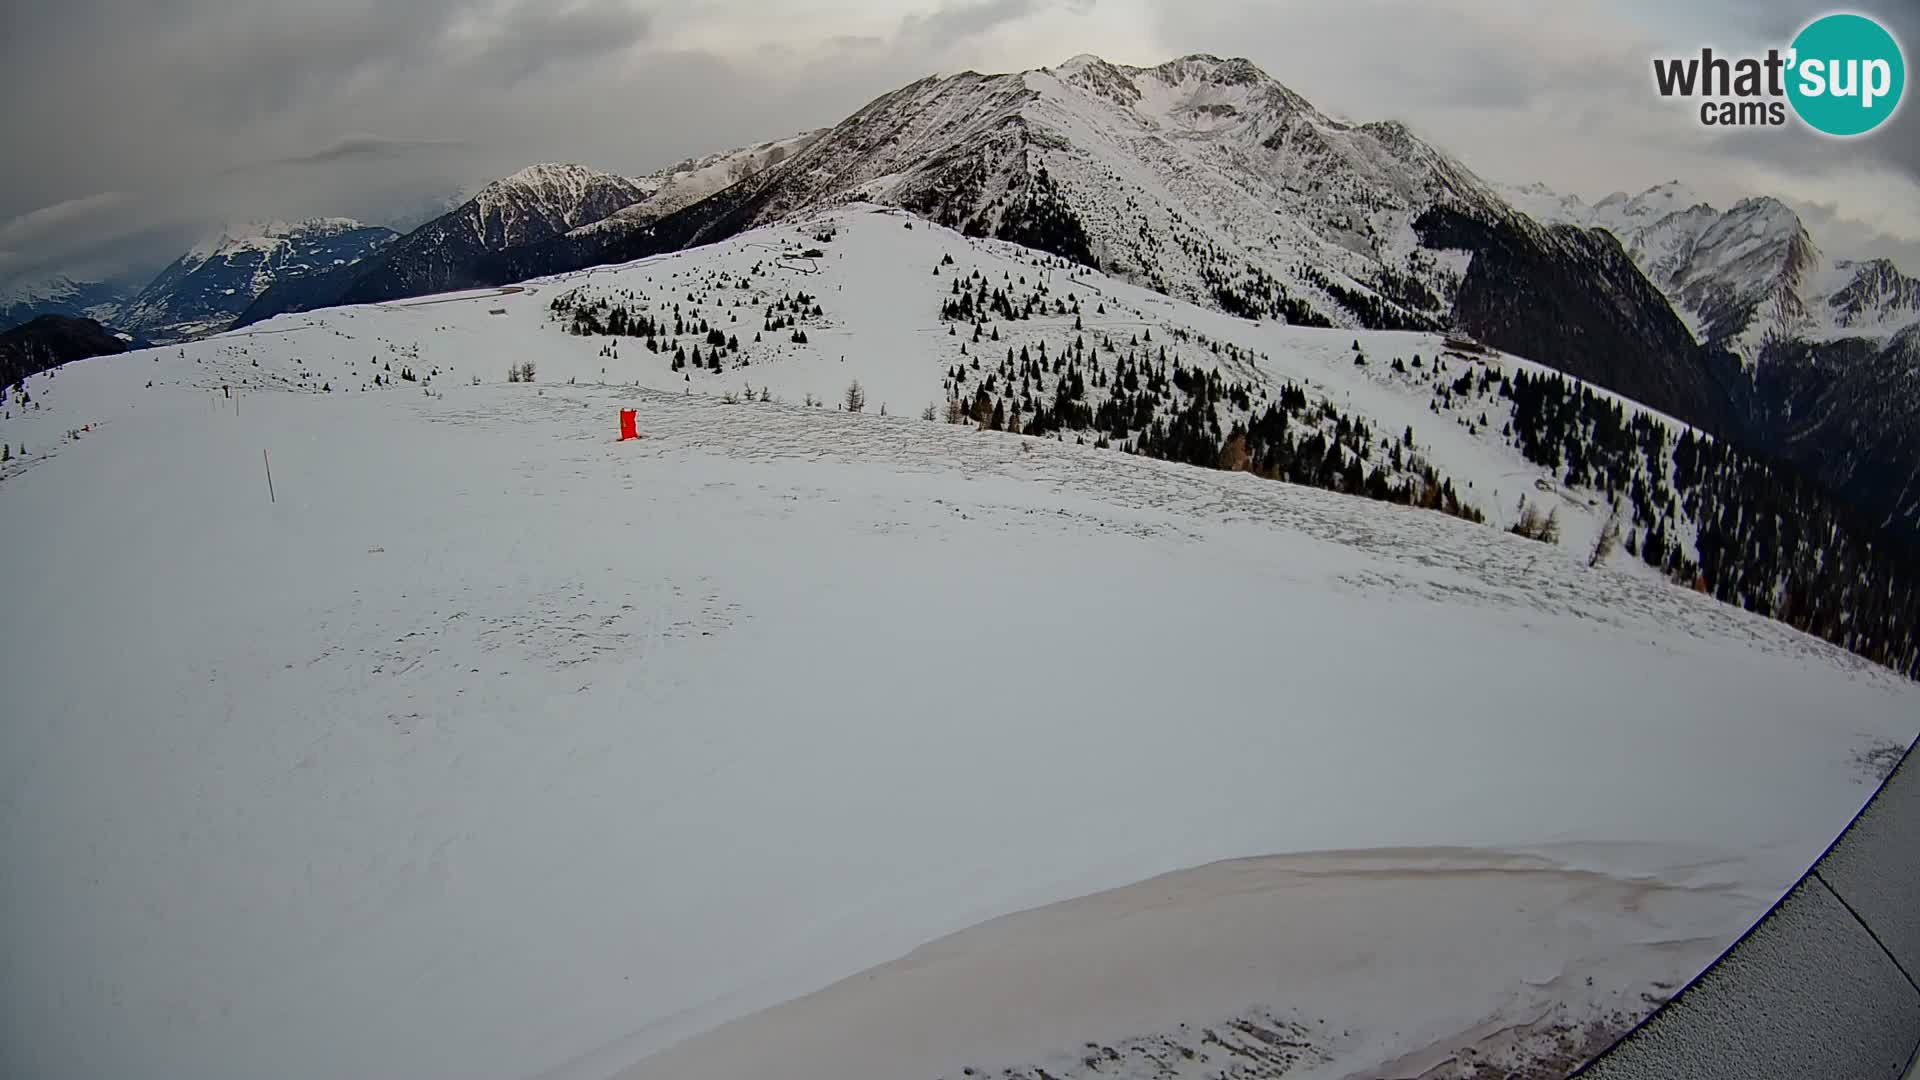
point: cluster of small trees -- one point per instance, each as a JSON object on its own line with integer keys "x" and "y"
{"x": 1143, "y": 399}
{"x": 589, "y": 315}
{"x": 1035, "y": 215}
{"x": 786, "y": 312}
{"x": 974, "y": 299}
{"x": 521, "y": 372}
{"x": 1256, "y": 294}
{"x": 1373, "y": 310}
{"x": 1534, "y": 525}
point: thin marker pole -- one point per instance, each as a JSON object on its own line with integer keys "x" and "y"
{"x": 269, "y": 464}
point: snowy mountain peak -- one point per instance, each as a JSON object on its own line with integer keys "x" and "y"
{"x": 1081, "y": 62}
{"x": 559, "y": 196}
{"x": 1741, "y": 277}
{"x": 1876, "y": 292}
{"x": 24, "y": 299}
{"x": 1197, "y": 92}
{"x": 38, "y": 289}
{"x": 549, "y": 175}
{"x": 265, "y": 235}
{"x": 1238, "y": 70}
{"x": 1201, "y": 176}
{"x": 1653, "y": 204}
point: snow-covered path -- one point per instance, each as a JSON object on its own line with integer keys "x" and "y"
{"x": 495, "y": 745}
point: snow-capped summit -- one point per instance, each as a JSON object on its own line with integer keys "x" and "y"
{"x": 235, "y": 237}
{"x": 1548, "y": 206}
{"x": 206, "y": 288}
{"x": 1876, "y": 294}
{"x": 1202, "y": 177}
{"x": 1740, "y": 273}
{"x": 25, "y": 299}
{"x": 545, "y": 200}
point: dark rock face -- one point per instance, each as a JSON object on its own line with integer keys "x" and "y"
{"x": 1572, "y": 299}
{"x": 1847, "y": 413}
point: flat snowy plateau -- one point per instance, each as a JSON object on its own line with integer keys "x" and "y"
{"x": 783, "y": 740}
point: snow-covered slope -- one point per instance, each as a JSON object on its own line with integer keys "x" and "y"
{"x": 486, "y": 746}
{"x": 874, "y": 292}
{"x": 679, "y": 186}
{"x": 23, "y": 300}
{"x": 205, "y": 289}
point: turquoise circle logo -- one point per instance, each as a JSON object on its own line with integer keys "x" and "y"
{"x": 1848, "y": 75}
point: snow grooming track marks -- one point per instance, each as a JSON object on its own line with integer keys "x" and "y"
{"x": 916, "y": 675}
{"x": 1414, "y": 545}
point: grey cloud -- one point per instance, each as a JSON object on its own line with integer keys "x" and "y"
{"x": 956, "y": 22}
{"x": 358, "y": 146}
{"x": 40, "y": 224}
{"x": 77, "y": 233}
{"x": 534, "y": 37}
{"x": 1839, "y": 233}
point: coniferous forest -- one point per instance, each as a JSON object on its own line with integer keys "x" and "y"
{"x": 1752, "y": 533}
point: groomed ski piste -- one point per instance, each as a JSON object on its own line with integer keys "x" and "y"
{"x": 789, "y": 741}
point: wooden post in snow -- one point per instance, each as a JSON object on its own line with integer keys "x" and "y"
{"x": 269, "y": 464}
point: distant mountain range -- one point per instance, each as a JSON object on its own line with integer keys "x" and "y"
{"x": 537, "y": 205}
{"x": 58, "y": 294}
{"x": 1743, "y": 278}
{"x": 204, "y": 290}
{"x": 1207, "y": 180}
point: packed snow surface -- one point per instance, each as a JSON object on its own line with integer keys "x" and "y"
{"x": 492, "y": 747}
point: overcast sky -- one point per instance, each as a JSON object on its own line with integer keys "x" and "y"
{"x": 133, "y": 126}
